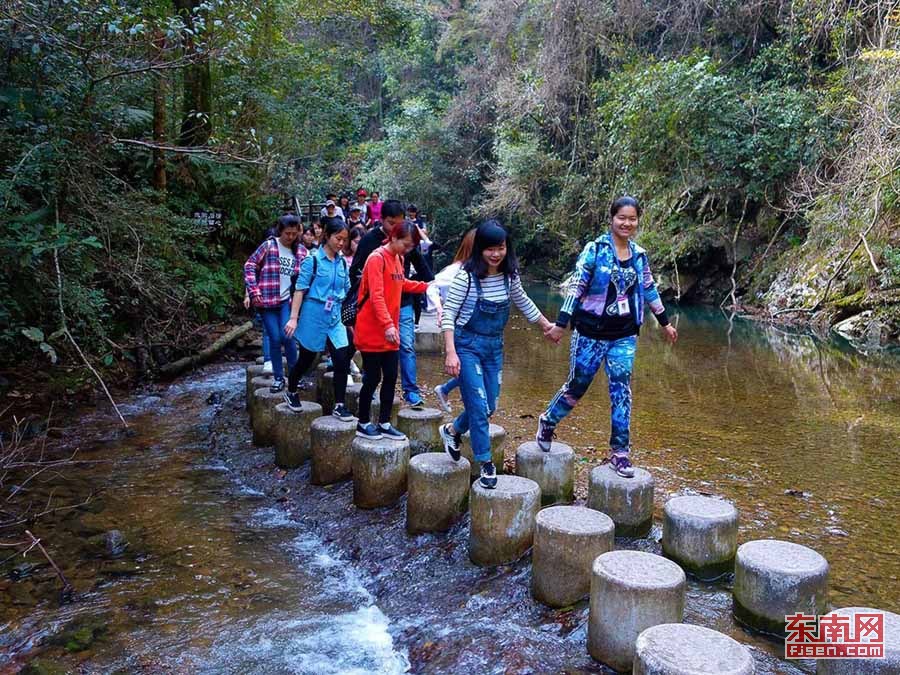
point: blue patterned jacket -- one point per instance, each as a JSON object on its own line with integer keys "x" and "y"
{"x": 588, "y": 285}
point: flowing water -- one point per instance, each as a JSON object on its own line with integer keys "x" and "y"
{"x": 232, "y": 566}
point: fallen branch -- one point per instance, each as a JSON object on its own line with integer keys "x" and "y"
{"x": 869, "y": 251}
{"x": 205, "y": 355}
{"x": 67, "y": 587}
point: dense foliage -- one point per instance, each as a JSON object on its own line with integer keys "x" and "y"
{"x": 761, "y": 136}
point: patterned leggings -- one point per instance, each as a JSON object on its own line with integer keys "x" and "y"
{"x": 586, "y": 356}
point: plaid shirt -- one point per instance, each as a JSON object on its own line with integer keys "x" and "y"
{"x": 262, "y": 273}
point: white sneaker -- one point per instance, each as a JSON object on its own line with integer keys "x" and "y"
{"x": 442, "y": 398}
{"x": 267, "y": 368}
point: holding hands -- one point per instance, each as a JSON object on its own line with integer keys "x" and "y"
{"x": 552, "y": 332}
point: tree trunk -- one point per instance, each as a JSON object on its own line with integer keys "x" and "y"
{"x": 196, "y": 122}
{"x": 159, "y": 120}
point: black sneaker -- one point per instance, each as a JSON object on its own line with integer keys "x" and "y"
{"x": 293, "y": 401}
{"x": 340, "y": 411}
{"x": 488, "y": 475}
{"x": 368, "y": 430}
{"x": 277, "y": 385}
{"x": 544, "y": 435}
{"x": 451, "y": 441}
{"x": 390, "y": 431}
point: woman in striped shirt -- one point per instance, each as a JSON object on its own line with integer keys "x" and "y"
{"x": 475, "y": 314}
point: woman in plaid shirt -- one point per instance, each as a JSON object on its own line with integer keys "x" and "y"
{"x": 270, "y": 275}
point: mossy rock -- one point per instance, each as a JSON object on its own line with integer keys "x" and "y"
{"x": 80, "y": 635}
{"x": 42, "y": 666}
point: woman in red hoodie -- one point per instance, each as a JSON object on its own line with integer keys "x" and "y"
{"x": 377, "y": 334}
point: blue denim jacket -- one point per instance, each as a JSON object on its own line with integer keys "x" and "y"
{"x": 588, "y": 285}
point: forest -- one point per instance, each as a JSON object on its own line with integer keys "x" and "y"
{"x": 763, "y": 138}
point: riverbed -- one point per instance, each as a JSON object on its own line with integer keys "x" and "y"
{"x": 234, "y": 566}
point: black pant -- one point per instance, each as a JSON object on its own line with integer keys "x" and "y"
{"x": 376, "y": 365}
{"x": 340, "y": 359}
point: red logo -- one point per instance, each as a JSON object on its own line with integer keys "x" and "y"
{"x": 834, "y": 636}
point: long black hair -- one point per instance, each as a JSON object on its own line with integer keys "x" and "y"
{"x": 491, "y": 233}
{"x": 331, "y": 226}
{"x": 622, "y": 202}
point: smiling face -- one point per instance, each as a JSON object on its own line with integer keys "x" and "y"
{"x": 309, "y": 238}
{"x": 494, "y": 256}
{"x": 402, "y": 246}
{"x": 624, "y": 223}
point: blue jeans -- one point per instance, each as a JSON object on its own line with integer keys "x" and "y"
{"x": 274, "y": 320}
{"x": 586, "y": 357}
{"x": 411, "y": 392}
{"x": 258, "y": 323}
{"x": 480, "y": 360}
{"x": 450, "y": 385}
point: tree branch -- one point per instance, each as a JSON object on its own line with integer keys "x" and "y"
{"x": 216, "y": 155}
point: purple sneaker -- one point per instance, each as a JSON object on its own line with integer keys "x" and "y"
{"x": 544, "y": 435}
{"x": 621, "y": 465}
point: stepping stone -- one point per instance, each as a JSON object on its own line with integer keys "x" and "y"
{"x": 379, "y": 471}
{"x": 438, "y": 492}
{"x": 326, "y": 393}
{"x": 256, "y": 382}
{"x": 498, "y": 439}
{"x": 683, "y": 649}
{"x": 319, "y": 374}
{"x": 875, "y": 666}
{"x": 630, "y": 592}
{"x": 554, "y": 471}
{"x": 775, "y": 578}
{"x": 422, "y": 429}
{"x": 329, "y": 443}
{"x": 628, "y": 501}
{"x": 567, "y": 539}
{"x": 292, "y": 433}
{"x": 502, "y": 520}
{"x": 353, "y": 404}
{"x": 251, "y": 372}
{"x": 262, "y": 416}
{"x": 700, "y": 534}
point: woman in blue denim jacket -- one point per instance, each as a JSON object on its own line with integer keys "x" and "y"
{"x": 605, "y": 303}
{"x": 321, "y": 288}
{"x": 475, "y": 314}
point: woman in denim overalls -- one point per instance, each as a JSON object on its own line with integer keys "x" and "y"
{"x": 475, "y": 314}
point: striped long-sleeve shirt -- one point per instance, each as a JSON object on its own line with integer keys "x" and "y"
{"x": 463, "y": 295}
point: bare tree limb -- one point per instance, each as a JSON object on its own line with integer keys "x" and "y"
{"x": 217, "y": 155}
{"x": 67, "y": 587}
{"x": 68, "y": 334}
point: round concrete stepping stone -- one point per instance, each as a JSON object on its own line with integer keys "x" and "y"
{"x": 502, "y": 520}
{"x": 567, "y": 539}
{"x": 628, "y": 501}
{"x": 630, "y": 592}
{"x": 251, "y": 372}
{"x": 875, "y": 666}
{"x": 700, "y": 534}
{"x": 262, "y": 416}
{"x": 554, "y": 471}
{"x": 774, "y": 578}
{"x": 498, "y": 439}
{"x": 326, "y": 393}
{"x": 683, "y": 649}
{"x": 379, "y": 471}
{"x": 292, "y": 435}
{"x": 329, "y": 443}
{"x": 256, "y": 382}
{"x": 422, "y": 429}
{"x": 438, "y": 492}
{"x": 352, "y": 404}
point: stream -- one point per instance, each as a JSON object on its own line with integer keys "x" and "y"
{"x": 222, "y": 563}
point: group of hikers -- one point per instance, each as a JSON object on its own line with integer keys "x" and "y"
{"x": 352, "y": 281}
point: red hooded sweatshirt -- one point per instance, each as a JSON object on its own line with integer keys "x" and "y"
{"x": 383, "y": 282}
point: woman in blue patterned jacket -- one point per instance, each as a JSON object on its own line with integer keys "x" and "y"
{"x": 605, "y": 303}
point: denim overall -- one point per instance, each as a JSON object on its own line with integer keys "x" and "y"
{"x": 479, "y": 346}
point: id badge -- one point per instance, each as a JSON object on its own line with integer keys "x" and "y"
{"x": 622, "y": 305}
{"x": 329, "y": 303}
